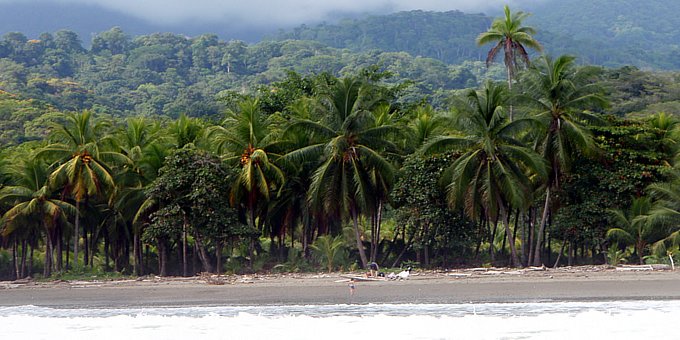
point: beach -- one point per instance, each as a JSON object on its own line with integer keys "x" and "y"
{"x": 481, "y": 285}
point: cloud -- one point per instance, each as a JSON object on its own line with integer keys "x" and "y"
{"x": 274, "y": 12}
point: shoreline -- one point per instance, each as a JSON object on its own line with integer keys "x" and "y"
{"x": 591, "y": 283}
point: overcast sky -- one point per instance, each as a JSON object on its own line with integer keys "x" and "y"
{"x": 275, "y": 12}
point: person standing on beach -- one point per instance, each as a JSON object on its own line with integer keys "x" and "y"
{"x": 352, "y": 288}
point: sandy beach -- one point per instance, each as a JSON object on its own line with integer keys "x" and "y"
{"x": 458, "y": 286}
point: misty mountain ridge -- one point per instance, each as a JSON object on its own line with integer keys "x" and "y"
{"x": 602, "y": 32}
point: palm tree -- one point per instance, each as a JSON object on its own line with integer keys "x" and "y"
{"x": 493, "y": 170}
{"x": 328, "y": 248}
{"x": 140, "y": 141}
{"x": 348, "y": 147}
{"x": 633, "y": 226}
{"x": 244, "y": 138}
{"x": 425, "y": 125}
{"x": 665, "y": 213}
{"x": 507, "y": 33}
{"x": 80, "y": 165}
{"x": 559, "y": 93}
{"x": 33, "y": 202}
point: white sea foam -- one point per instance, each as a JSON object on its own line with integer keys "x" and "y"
{"x": 548, "y": 320}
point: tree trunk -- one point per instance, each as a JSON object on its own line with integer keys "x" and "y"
{"x": 24, "y": 254}
{"x": 510, "y": 111}
{"x": 530, "y": 240}
{"x": 106, "y": 255}
{"x": 184, "y": 246}
{"x": 136, "y": 253}
{"x": 57, "y": 236}
{"x": 510, "y": 236}
{"x": 541, "y": 229}
{"x": 49, "y": 252}
{"x": 218, "y": 255}
{"x": 162, "y": 258}
{"x": 557, "y": 262}
{"x": 357, "y": 235}
{"x": 202, "y": 254}
{"x": 76, "y": 235}
{"x": 407, "y": 245}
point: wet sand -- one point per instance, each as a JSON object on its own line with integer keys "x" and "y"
{"x": 462, "y": 286}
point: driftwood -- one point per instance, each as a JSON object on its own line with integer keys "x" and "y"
{"x": 643, "y": 267}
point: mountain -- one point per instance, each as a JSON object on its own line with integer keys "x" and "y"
{"x": 447, "y": 36}
{"x": 33, "y": 19}
{"x": 611, "y": 33}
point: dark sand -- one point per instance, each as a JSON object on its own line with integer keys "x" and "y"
{"x": 571, "y": 284}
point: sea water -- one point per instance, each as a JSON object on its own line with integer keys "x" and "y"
{"x": 541, "y": 320}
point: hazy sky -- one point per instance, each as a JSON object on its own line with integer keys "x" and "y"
{"x": 273, "y": 12}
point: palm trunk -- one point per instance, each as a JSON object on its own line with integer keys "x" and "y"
{"x": 47, "y": 271}
{"x": 59, "y": 250}
{"x": 510, "y": 237}
{"x": 357, "y": 235}
{"x": 539, "y": 238}
{"x": 184, "y": 247}
{"x": 136, "y": 253}
{"x": 509, "y": 70}
{"x": 376, "y": 236}
{"x": 76, "y": 235}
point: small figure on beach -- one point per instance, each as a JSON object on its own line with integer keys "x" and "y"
{"x": 373, "y": 269}
{"x": 352, "y": 287}
{"x": 404, "y": 274}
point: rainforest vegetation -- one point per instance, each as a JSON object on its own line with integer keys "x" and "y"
{"x": 169, "y": 155}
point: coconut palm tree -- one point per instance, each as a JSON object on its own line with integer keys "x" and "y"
{"x": 633, "y": 226}
{"x": 493, "y": 170}
{"x": 33, "y": 202}
{"x": 560, "y": 95}
{"x": 665, "y": 213}
{"x": 508, "y": 34}
{"x": 348, "y": 146}
{"x": 244, "y": 139}
{"x": 80, "y": 167}
{"x": 142, "y": 142}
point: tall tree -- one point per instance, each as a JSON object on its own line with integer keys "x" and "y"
{"x": 493, "y": 170}
{"x": 80, "y": 166}
{"x": 33, "y": 202}
{"x": 560, "y": 95}
{"x": 508, "y": 34}
{"x": 245, "y": 139}
{"x": 348, "y": 146}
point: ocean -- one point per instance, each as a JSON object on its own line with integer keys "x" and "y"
{"x": 536, "y": 320}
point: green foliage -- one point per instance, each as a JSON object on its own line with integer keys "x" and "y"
{"x": 616, "y": 256}
{"x": 190, "y": 187}
{"x": 328, "y": 249}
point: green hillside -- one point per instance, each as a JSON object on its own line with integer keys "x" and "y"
{"x": 603, "y": 32}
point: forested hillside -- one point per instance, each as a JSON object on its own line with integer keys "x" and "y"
{"x": 602, "y": 32}
{"x": 167, "y": 74}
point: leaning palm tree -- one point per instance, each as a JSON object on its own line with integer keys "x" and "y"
{"x": 80, "y": 165}
{"x": 493, "y": 170}
{"x": 560, "y": 95}
{"x": 633, "y": 226}
{"x": 508, "y": 34}
{"x": 33, "y": 202}
{"x": 348, "y": 147}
